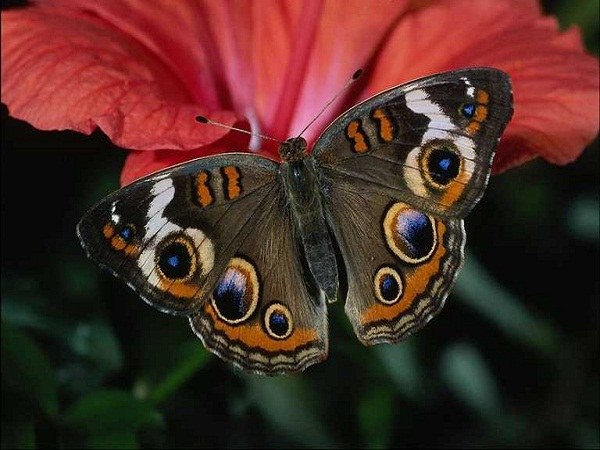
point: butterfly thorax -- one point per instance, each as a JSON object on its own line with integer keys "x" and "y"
{"x": 294, "y": 149}
{"x": 303, "y": 195}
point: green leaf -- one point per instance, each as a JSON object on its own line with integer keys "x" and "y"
{"x": 96, "y": 341}
{"x": 585, "y": 435}
{"x": 157, "y": 352}
{"x": 26, "y": 370}
{"x": 193, "y": 358}
{"x": 375, "y": 414}
{"x": 284, "y": 403}
{"x": 478, "y": 290}
{"x": 467, "y": 375}
{"x": 123, "y": 439}
{"x": 584, "y": 14}
{"x": 111, "y": 412}
{"x": 401, "y": 364}
{"x": 583, "y": 219}
{"x": 79, "y": 281}
{"x": 17, "y": 434}
{"x": 25, "y": 306}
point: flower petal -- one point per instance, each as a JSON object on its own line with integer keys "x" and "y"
{"x": 140, "y": 163}
{"x": 338, "y": 38}
{"x": 278, "y": 63}
{"x": 65, "y": 69}
{"x": 555, "y": 82}
{"x": 120, "y": 66}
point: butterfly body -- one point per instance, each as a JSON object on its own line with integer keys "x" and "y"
{"x": 303, "y": 193}
{"x": 250, "y": 249}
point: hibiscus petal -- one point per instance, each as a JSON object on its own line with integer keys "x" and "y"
{"x": 120, "y": 66}
{"x": 65, "y": 69}
{"x": 555, "y": 82}
{"x": 338, "y": 38}
{"x": 278, "y": 63}
{"x": 140, "y": 163}
{"x": 224, "y": 52}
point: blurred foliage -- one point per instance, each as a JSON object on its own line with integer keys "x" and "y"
{"x": 511, "y": 361}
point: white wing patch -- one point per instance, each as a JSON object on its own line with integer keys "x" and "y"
{"x": 440, "y": 127}
{"x": 163, "y": 192}
{"x": 158, "y": 227}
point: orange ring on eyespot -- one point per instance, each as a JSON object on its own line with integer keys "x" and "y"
{"x": 425, "y": 157}
{"x": 181, "y": 270}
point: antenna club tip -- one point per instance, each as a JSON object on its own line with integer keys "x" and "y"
{"x": 357, "y": 74}
{"x": 201, "y": 119}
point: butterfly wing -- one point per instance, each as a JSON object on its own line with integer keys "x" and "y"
{"x": 399, "y": 172}
{"x": 196, "y": 240}
{"x": 400, "y": 261}
{"x": 288, "y": 332}
{"x": 430, "y": 141}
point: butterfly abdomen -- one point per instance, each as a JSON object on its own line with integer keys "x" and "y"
{"x": 304, "y": 197}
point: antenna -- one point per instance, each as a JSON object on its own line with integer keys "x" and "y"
{"x": 203, "y": 119}
{"x": 355, "y": 76}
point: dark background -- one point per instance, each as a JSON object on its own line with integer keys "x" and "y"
{"x": 511, "y": 361}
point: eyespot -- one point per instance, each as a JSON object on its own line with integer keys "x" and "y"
{"x": 236, "y": 294}
{"x": 467, "y": 110}
{"x": 443, "y": 165}
{"x": 440, "y": 163}
{"x": 127, "y": 232}
{"x": 121, "y": 239}
{"x": 278, "y": 321}
{"x": 388, "y": 285}
{"x": 176, "y": 258}
{"x": 409, "y": 233}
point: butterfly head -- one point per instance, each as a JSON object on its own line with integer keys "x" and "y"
{"x": 294, "y": 149}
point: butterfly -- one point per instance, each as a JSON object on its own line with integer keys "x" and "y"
{"x": 251, "y": 250}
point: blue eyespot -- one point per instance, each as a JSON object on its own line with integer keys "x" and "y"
{"x": 278, "y": 321}
{"x": 468, "y": 110}
{"x": 388, "y": 285}
{"x": 229, "y": 295}
{"x": 175, "y": 260}
{"x": 443, "y": 165}
{"x": 127, "y": 232}
{"x": 236, "y": 294}
{"x": 416, "y": 232}
{"x": 410, "y": 234}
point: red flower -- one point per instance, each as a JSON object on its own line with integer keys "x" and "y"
{"x": 141, "y": 71}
